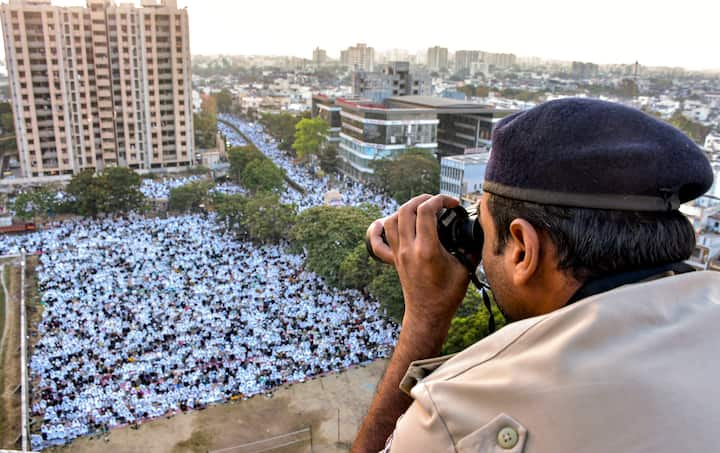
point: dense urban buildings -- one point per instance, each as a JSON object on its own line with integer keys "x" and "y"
{"x": 437, "y": 58}
{"x": 395, "y": 79}
{"x": 584, "y": 70}
{"x": 104, "y": 85}
{"x": 358, "y": 57}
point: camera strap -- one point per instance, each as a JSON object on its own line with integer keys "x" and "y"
{"x": 482, "y": 287}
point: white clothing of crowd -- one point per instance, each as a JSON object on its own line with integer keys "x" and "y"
{"x": 145, "y": 316}
{"x": 353, "y": 193}
{"x": 232, "y": 137}
{"x": 160, "y": 189}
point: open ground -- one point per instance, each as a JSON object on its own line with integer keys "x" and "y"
{"x": 313, "y": 404}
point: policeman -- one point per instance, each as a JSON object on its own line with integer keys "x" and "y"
{"x": 612, "y": 344}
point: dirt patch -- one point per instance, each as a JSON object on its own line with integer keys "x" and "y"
{"x": 10, "y": 362}
{"x": 313, "y": 404}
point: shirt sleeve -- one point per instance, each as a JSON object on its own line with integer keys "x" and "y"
{"x": 421, "y": 428}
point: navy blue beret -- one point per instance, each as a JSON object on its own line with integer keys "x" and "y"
{"x": 595, "y": 154}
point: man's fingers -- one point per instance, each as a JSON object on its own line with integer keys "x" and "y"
{"x": 426, "y": 229}
{"x": 391, "y": 232}
{"x": 379, "y": 247}
{"x": 407, "y": 218}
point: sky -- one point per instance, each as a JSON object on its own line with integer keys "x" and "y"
{"x": 655, "y": 33}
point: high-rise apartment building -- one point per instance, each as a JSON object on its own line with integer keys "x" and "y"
{"x": 395, "y": 79}
{"x": 104, "y": 85}
{"x": 464, "y": 60}
{"x": 437, "y": 58}
{"x": 358, "y": 57}
{"x": 319, "y": 56}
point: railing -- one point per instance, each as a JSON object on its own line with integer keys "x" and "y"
{"x": 271, "y": 443}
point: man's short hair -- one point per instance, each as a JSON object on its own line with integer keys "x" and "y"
{"x": 596, "y": 242}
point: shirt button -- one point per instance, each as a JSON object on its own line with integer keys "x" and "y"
{"x": 507, "y": 438}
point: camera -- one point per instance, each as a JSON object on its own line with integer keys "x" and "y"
{"x": 459, "y": 232}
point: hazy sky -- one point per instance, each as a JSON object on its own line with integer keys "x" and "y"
{"x": 672, "y": 33}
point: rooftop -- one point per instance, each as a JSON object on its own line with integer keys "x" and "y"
{"x": 444, "y": 105}
{"x": 479, "y": 158}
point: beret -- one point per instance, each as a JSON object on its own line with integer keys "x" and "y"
{"x": 589, "y": 153}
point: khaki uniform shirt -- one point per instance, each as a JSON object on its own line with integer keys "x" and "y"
{"x": 635, "y": 369}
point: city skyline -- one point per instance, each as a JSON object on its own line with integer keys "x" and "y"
{"x": 657, "y": 34}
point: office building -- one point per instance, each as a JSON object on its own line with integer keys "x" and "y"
{"x": 462, "y": 176}
{"x": 360, "y": 57}
{"x": 395, "y": 79}
{"x": 371, "y": 131}
{"x": 463, "y": 127}
{"x": 437, "y": 58}
{"x": 324, "y": 107}
{"x": 97, "y": 86}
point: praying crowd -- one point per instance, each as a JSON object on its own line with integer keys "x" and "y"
{"x": 147, "y": 316}
{"x": 353, "y": 193}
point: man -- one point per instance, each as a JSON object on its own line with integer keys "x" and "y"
{"x": 612, "y": 343}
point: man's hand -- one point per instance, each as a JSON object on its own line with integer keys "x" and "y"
{"x": 434, "y": 283}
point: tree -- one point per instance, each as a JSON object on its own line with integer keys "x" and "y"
{"x": 239, "y": 157}
{"x": 329, "y": 234}
{"x": 628, "y": 89}
{"x": 310, "y": 134}
{"x": 86, "y": 192}
{"x": 696, "y": 131}
{"x": 190, "y": 197}
{"x": 230, "y": 210}
{"x": 473, "y": 327}
{"x": 412, "y": 173}
{"x": 357, "y": 270}
{"x": 262, "y": 175}
{"x": 116, "y": 189}
{"x": 385, "y": 287}
{"x": 267, "y": 220}
{"x": 282, "y": 127}
{"x": 224, "y": 101}
{"x": 328, "y": 157}
{"x": 38, "y": 202}
{"x": 205, "y": 130}
{"x": 120, "y": 187}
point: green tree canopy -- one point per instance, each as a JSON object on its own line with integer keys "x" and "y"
{"x": 310, "y": 136}
{"x": 410, "y": 174}
{"x": 282, "y": 127}
{"x": 224, "y": 100}
{"x": 696, "y": 131}
{"x": 190, "y": 196}
{"x": 262, "y": 175}
{"x": 120, "y": 187}
{"x": 239, "y": 157}
{"x": 116, "y": 189}
{"x": 329, "y": 234}
{"x": 38, "y": 202}
{"x": 267, "y": 220}
{"x": 385, "y": 287}
{"x": 470, "y": 324}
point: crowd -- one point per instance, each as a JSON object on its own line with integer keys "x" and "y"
{"x": 144, "y": 316}
{"x": 352, "y": 192}
{"x": 232, "y": 137}
{"x": 160, "y": 189}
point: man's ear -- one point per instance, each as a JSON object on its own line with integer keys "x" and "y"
{"x": 524, "y": 251}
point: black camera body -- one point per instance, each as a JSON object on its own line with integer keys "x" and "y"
{"x": 459, "y": 232}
